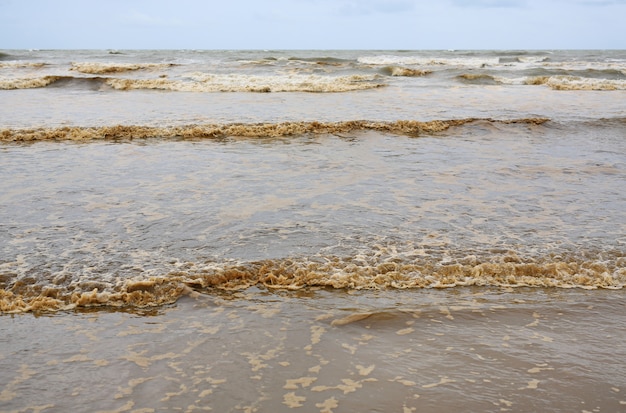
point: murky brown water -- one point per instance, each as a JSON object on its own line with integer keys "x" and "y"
{"x": 483, "y": 204}
{"x": 474, "y": 349}
{"x": 459, "y": 248}
{"x": 143, "y": 223}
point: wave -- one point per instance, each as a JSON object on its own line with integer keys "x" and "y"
{"x": 391, "y": 60}
{"x": 556, "y": 82}
{"x": 478, "y": 78}
{"x": 576, "y": 83}
{"x": 613, "y": 68}
{"x": 383, "y": 268}
{"x": 311, "y": 59}
{"x": 532, "y": 59}
{"x": 105, "y": 68}
{"x": 90, "y": 83}
{"x": 20, "y": 65}
{"x": 316, "y": 59}
{"x": 202, "y": 82}
{"x": 400, "y": 127}
{"x": 28, "y": 82}
{"x": 404, "y": 71}
{"x": 580, "y": 66}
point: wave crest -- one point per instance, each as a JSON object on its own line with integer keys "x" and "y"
{"x": 576, "y": 83}
{"x": 555, "y": 82}
{"x": 405, "y": 71}
{"x": 400, "y": 127}
{"x": 380, "y": 270}
{"x": 202, "y": 82}
{"x": 21, "y": 65}
{"x": 106, "y": 68}
{"x": 391, "y": 60}
{"x": 28, "y": 83}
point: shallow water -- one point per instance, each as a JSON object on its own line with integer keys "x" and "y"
{"x": 442, "y": 241}
{"x": 473, "y": 349}
{"x": 483, "y": 204}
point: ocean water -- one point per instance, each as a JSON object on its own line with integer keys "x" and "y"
{"x": 332, "y": 231}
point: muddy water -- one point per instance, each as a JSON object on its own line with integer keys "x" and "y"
{"x": 482, "y": 204}
{"x": 474, "y": 349}
{"x": 361, "y": 271}
{"x": 408, "y": 231}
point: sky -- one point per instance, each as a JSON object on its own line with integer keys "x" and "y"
{"x": 313, "y": 24}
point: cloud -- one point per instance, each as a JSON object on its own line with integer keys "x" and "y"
{"x": 602, "y": 2}
{"x": 366, "y": 7}
{"x": 393, "y": 6}
{"x": 137, "y": 18}
{"x": 482, "y": 4}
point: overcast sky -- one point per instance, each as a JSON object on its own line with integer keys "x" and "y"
{"x": 313, "y": 24}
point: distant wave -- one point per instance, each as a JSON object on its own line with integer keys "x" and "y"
{"x": 556, "y": 82}
{"x": 532, "y": 59}
{"x": 404, "y": 71}
{"x": 392, "y": 60}
{"x": 612, "y": 69}
{"x": 400, "y": 127}
{"x": 15, "y": 65}
{"x": 576, "y": 83}
{"x": 202, "y": 82}
{"x": 28, "y": 82}
{"x": 477, "y": 78}
{"x": 105, "y": 68}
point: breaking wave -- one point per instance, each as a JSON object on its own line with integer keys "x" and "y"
{"x": 105, "y": 68}
{"x": 576, "y": 83}
{"x": 556, "y": 82}
{"x": 28, "y": 82}
{"x": 21, "y": 65}
{"x": 404, "y": 71}
{"x": 391, "y": 60}
{"x": 201, "y": 82}
{"x": 477, "y": 78}
{"x": 400, "y": 127}
{"x": 383, "y": 268}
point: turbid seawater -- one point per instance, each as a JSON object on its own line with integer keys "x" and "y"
{"x": 332, "y": 231}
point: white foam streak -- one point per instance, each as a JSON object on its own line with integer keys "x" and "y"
{"x": 387, "y": 60}
{"x": 204, "y": 82}
{"x": 532, "y": 59}
{"x": 579, "y": 66}
{"x": 565, "y": 82}
{"x": 102, "y": 68}
{"x": 26, "y": 83}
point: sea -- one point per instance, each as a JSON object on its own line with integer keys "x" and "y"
{"x": 313, "y": 231}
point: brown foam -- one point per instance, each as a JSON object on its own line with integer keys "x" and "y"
{"x": 576, "y": 83}
{"x": 344, "y": 274}
{"x": 473, "y": 76}
{"x": 19, "y": 65}
{"x": 407, "y": 72}
{"x": 331, "y": 272}
{"x": 479, "y": 78}
{"x": 28, "y": 83}
{"x": 149, "y": 292}
{"x": 205, "y": 82}
{"x": 104, "y": 68}
{"x": 400, "y": 127}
